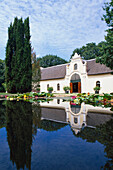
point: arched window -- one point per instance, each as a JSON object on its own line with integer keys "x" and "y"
{"x": 75, "y": 120}
{"x": 47, "y": 86}
{"x": 98, "y": 83}
{"x": 58, "y": 101}
{"x": 58, "y": 86}
{"x": 75, "y": 67}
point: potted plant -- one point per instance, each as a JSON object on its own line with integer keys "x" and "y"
{"x": 96, "y": 89}
{"x": 38, "y": 89}
{"x": 50, "y": 89}
{"x": 66, "y": 89}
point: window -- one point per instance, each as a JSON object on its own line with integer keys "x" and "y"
{"x": 58, "y": 86}
{"x": 75, "y": 120}
{"x": 58, "y": 101}
{"x": 47, "y": 86}
{"x": 75, "y": 67}
{"x": 98, "y": 83}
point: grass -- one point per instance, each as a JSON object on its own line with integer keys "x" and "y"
{"x": 7, "y": 94}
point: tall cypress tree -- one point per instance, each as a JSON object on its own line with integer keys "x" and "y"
{"x": 18, "y": 57}
{"x": 8, "y": 60}
{"x": 26, "y": 64}
{"x": 19, "y": 54}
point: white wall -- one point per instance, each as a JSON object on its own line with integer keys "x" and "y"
{"x": 53, "y": 83}
{"x": 106, "y": 83}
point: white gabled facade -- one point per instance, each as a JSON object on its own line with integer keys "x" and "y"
{"x": 77, "y": 77}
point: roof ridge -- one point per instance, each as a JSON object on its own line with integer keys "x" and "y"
{"x": 91, "y": 59}
{"x": 55, "y": 66}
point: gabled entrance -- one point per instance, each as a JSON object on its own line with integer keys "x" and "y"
{"x": 75, "y": 84}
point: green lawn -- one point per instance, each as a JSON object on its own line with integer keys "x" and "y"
{"x": 7, "y": 94}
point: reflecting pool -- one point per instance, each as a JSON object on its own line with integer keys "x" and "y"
{"x": 55, "y": 135}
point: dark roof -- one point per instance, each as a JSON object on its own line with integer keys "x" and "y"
{"x": 96, "y": 119}
{"x": 54, "y": 72}
{"x": 59, "y": 71}
{"x": 54, "y": 114}
{"x": 96, "y": 68}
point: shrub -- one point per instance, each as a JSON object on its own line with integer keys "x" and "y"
{"x": 96, "y": 88}
{"x": 38, "y": 89}
{"x": 66, "y": 88}
{"x": 50, "y": 89}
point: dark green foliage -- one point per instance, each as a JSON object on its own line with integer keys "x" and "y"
{"x": 36, "y": 112}
{"x": 90, "y": 51}
{"x": 50, "y": 89}
{"x": 2, "y": 76}
{"x": 107, "y": 57}
{"x": 19, "y": 132}
{"x": 18, "y": 57}
{"x": 36, "y": 72}
{"x": 2, "y": 114}
{"x": 51, "y": 60}
{"x": 104, "y": 135}
{"x": 27, "y": 67}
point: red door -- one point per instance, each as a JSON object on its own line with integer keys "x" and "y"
{"x": 79, "y": 87}
{"x": 71, "y": 86}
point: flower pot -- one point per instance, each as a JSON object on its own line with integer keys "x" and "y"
{"x": 96, "y": 91}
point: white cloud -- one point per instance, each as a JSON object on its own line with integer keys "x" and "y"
{"x": 57, "y": 27}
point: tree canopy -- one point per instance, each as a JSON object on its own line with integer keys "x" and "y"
{"x": 2, "y": 75}
{"x": 18, "y": 57}
{"x": 90, "y": 50}
{"x": 36, "y": 72}
{"x": 107, "y": 57}
{"x": 51, "y": 60}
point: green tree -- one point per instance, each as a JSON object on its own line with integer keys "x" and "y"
{"x": 90, "y": 51}
{"x": 107, "y": 57}
{"x": 51, "y": 60}
{"x": 9, "y": 55}
{"x": 18, "y": 57}
{"x": 26, "y": 82}
{"x": 36, "y": 72}
{"x": 2, "y": 75}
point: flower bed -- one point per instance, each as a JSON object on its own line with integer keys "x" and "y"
{"x": 104, "y": 100}
{"x": 27, "y": 96}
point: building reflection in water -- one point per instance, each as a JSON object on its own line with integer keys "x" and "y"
{"x": 78, "y": 116}
{"x": 87, "y": 122}
{"x": 23, "y": 119}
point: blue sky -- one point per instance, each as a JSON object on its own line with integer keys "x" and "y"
{"x": 57, "y": 26}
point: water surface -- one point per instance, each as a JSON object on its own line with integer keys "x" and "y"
{"x": 55, "y": 135}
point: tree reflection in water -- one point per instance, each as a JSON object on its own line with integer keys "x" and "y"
{"x": 19, "y": 132}
{"x": 104, "y": 135}
{"x": 23, "y": 119}
{"x": 2, "y": 114}
{"x": 39, "y": 122}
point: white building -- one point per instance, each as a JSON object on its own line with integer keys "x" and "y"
{"x": 81, "y": 75}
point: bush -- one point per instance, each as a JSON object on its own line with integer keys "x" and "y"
{"x": 50, "y": 89}
{"x": 38, "y": 89}
{"x": 66, "y": 88}
{"x": 96, "y": 88}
